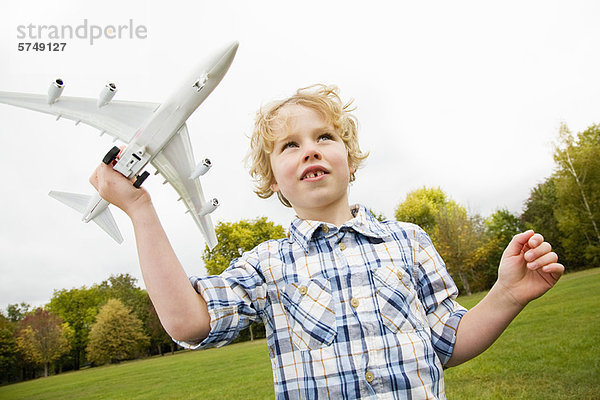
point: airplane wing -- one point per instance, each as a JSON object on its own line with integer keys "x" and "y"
{"x": 176, "y": 162}
{"x": 120, "y": 119}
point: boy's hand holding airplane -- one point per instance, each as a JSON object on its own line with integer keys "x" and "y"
{"x": 118, "y": 190}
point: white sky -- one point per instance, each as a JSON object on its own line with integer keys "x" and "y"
{"x": 465, "y": 95}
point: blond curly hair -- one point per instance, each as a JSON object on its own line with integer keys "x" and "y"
{"x": 321, "y": 98}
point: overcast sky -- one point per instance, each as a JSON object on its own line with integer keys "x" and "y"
{"x": 465, "y": 95}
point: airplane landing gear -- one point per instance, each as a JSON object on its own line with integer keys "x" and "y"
{"x": 140, "y": 179}
{"x": 111, "y": 155}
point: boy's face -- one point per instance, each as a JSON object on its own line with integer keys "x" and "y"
{"x": 309, "y": 162}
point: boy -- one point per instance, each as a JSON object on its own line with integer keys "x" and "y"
{"x": 353, "y": 308}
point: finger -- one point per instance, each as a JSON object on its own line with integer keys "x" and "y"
{"x": 535, "y": 240}
{"x": 535, "y": 253}
{"x": 94, "y": 178}
{"x": 517, "y": 243}
{"x": 556, "y": 269}
{"x": 546, "y": 259}
{"x": 108, "y": 173}
{"x": 100, "y": 175}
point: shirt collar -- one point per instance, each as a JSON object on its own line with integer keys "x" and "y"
{"x": 302, "y": 231}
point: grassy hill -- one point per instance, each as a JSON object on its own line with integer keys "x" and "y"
{"x": 550, "y": 351}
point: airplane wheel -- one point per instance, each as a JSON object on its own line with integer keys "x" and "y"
{"x": 140, "y": 179}
{"x": 111, "y": 155}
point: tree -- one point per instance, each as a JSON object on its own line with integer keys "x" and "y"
{"x": 539, "y": 214}
{"x": 43, "y": 338}
{"x": 124, "y": 287}
{"x": 577, "y": 181}
{"x": 158, "y": 336}
{"x": 8, "y": 350}
{"x": 457, "y": 237}
{"x": 16, "y": 312}
{"x": 422, "y": 207}
{"x": 235, "y": 238}
{"x": 504, "y": 225}
{"x": 500, "y": 227}
{"x": 78, "y": 307}
{"x": 378, "y": 216}
{"x": 454, "y": 233}
{"x": 116, "y": 335}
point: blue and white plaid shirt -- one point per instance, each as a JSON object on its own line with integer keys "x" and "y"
{"x": 366, "y": 310}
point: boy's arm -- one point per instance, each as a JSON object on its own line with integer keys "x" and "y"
{"x": 528, "y": 269}
{"x": 182, "y": 311}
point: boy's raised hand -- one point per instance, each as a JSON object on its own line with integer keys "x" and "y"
{"x": 116, "y": 189}
{"x": 528, "y": 267}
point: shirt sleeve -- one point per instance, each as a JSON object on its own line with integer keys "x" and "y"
{"x": 437, "y": 292}
{"x": 234, "y": 298}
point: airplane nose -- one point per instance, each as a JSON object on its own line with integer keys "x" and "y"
{"x": 223, "y": 59}
{"x": 230, "y": 51}
{"x": 234, "y": 46}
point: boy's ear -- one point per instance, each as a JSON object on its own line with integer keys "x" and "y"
{"x": 351, "y": 166}
{"x": 274, "y": 187}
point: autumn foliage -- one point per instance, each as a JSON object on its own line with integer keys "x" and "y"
{"x": 116, "y": 335}
{"x": 43, "y": 338}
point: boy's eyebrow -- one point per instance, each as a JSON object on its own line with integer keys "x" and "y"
{"x": 289, "y": 134}
{"x": 279, "y": 139}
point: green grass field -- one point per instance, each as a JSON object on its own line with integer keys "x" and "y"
{"x": 550, "y": 351}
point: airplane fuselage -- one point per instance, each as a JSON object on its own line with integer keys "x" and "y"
{"x": 166, "y": 121}
{"x": 173, "y": 113}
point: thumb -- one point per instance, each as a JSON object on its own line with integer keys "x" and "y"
{"x": 518, "y": 243}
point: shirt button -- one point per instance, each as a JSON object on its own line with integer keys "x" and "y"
{"x": 354, "y": 302}
{"x": 342, "y": 246}
{"x": 369, "y": 376}
{"x": 302, "y": 290}
{"x": 325, "y": 228}
{"x": 399, "y": 275}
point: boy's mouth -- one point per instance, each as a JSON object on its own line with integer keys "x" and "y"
{"x": 313, "y": 172}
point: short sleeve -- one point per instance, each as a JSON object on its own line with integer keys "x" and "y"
{"x": 234, "y": 298}
{"x": 437, "y": 292}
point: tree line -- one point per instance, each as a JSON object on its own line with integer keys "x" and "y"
{"x": 87, "y": 326}
{"x": 115, "y": 320}
{"x": 564, "y": 208}
{"x": 109, "y": 322}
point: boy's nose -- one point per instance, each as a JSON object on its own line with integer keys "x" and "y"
{"x": 312, "y": 154}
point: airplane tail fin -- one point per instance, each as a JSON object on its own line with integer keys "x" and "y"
{"x": 76, "y": 201}
{"x": 106, "y": 221}
{"x": 79, "y": 202}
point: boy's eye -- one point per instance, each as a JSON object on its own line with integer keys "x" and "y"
{"x": 289, "y": 145}
{"x": 325, "y": 136}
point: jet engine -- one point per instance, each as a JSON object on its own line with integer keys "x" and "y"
{"x": 201, "y": 168}
{"x": 55, "y": 90}
{"x": 106, "y": 95}
{"x": 209, "y": 207}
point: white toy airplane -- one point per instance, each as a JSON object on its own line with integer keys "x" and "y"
{"x": 154, "y": 133}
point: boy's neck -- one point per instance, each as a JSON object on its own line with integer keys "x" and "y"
{"x": 337, "y": 214}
